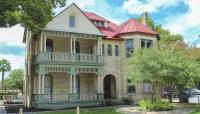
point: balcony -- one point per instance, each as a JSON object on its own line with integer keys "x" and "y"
{"x": 68, "y": 58}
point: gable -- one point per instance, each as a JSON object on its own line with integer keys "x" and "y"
{"x": 82, "y": 23}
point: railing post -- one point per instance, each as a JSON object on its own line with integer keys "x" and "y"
{"x": 77, "y": 110}
{"x": 20, "y": 111}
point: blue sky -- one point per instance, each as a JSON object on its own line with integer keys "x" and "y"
{"x": 179, "y": 16}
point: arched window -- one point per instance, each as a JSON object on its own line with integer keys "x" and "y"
{"x": 71, "y": 21}
{"x": 109, "y": 50}
{"x": 116, "y": 50}
{"x": 49, "y": 45}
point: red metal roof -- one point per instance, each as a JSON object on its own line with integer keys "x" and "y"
{"x": 133, "y": 25}
{"x": 94, "y": 16}
{"x": 113, "y": 30}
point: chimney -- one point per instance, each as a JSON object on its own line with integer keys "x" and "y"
{"x": 145, "y": 19}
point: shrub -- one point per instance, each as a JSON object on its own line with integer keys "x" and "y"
{"x": 146, "y": 105}
{"x": 128, "y": 100}
{"x": 158, "y": 105}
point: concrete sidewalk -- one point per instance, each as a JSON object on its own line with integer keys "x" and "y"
{"x": 134, "y": 110}
{"x": 2, "y": 108}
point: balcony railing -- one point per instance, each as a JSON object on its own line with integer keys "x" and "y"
{"x": 68, "y": 57}
{"x": 74, "y": 97}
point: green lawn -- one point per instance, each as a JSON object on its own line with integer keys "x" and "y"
{"x": 191, "y": 106}
{"x": 197, "y": 110}
{"x": 87, "y": 111}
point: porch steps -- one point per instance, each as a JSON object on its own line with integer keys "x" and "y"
{"x": 65, "y": 105}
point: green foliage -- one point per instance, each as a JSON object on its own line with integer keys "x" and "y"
{"x": 146, "y": 105}
{"x": 4, "y": 67}
{"x": 15, "y": 80}
{"x": 158, "y": 105}
{"x": 33, "y": 14}
{"x": 163, "y": 66}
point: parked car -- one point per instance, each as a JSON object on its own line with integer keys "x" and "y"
{"x": 191, "y": 92}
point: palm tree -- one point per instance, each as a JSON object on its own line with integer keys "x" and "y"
{"x": 4, "y": 67}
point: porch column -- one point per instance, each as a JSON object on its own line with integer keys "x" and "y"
{"x": 98, "y": 50}
{"x": 45, "y": 40}
{"x": 101, "y": 47}
{"x": 99, "y": 83}
{"x": 71, "y": 43}
{"x": 74, "y": 45}
{"x": 71, "y": 88}
{"x": 74, "y": 84}
{"x": 41, "y": 42}
{"x": 43, "y": 83}
{"x": 39, "y": 83}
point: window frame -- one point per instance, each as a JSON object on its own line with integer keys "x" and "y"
{"x": 130, "y": 84}
{"x": 109, "y": 50}
{"x": 116, "y": 50}
{"x": 146, "y": 41}
{"x": 72, "y": 22}
{"x": 131, "y": 41}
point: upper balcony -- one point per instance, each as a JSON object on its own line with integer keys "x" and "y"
{"x": 68, "y": 58}
{"x": 70, "y": 49}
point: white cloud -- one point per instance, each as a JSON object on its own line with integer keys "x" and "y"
{"x": 187, "y": 23}
{"x": 139, "y": 6}
{"x": 12, "y": 36}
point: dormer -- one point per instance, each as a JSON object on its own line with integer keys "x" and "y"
{"x": 97, "y": 20}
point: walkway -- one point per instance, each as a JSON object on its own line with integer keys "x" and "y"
{"x": 133, "y": 110}
{"x": 2, "y": 108}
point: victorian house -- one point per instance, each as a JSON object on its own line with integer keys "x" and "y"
{"x": 79, "y": 59}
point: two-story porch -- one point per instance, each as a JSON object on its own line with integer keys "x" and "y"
{"x": 68, "y": 68}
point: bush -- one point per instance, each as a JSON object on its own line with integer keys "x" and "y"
{"x": 128, "y": 100}
{"x": 158, "y": 105}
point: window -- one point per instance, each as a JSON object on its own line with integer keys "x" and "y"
{"x": 103, "y": 51}
{"x": 146, "y": 43}
{"x": 49, "y": 45}
{"x": 129, "y": 47}
{"x": 116, "y": 50}
{"x": 130, "y": 87}
{"x": 147, "y": 87}
{"x": 71, "y": 21}
{"x": 109, "y": 50}
{"x": 48, "y": 81}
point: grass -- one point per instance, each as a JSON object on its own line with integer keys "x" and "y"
{"x": 86, "y": 111}
{"x": 191, "y": 106}
{"x": 197, "y": 110}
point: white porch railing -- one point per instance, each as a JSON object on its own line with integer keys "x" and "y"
{"x": 68, "y": 57}
{"x": 42, "y": 98}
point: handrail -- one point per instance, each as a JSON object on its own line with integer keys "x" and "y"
{"x": 68, "y": 57}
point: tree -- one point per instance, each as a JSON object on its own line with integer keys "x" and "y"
{"x": 163, "y": 66}
{"x": 4, "y": 67}
{"x": 33, "y": 14}
{"x": 15, "y": 80}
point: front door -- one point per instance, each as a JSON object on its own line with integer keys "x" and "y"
{"x": 109, "y": 87}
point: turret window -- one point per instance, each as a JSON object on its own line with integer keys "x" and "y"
{"x": 109, "y": 50}
{"x": 116, "y": 50}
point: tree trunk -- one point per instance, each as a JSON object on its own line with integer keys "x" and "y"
{"x": 170, "y": 92}
{"x": 182, "y": 97}
{"x": 2, "y": 81}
